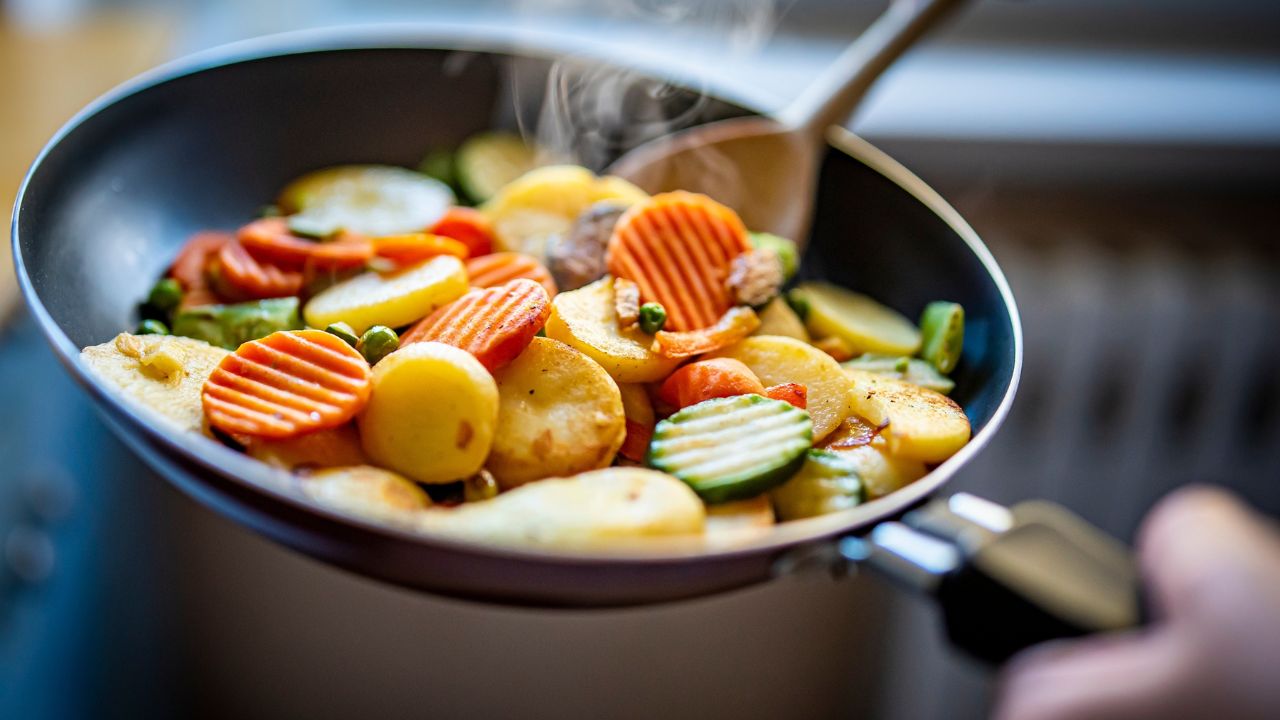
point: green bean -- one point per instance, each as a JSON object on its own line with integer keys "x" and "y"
{"x": 942, "y": 335}
{"x": 652, "y": 317}
{"x": 344, "y": 331}
{"x": 377, "y": 342}
{"x": 230, "y": 326}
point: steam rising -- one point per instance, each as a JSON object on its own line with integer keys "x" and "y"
{"x": 590, "y": 113}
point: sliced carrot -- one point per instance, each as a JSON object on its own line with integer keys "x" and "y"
{"x": 707, "y": 379}
{"x": 416, "y": 247}
{"x": 468, "y": 226}
{"x": 493, "y": 324}
{"x": 269, "y": 240}
{"x": 791, "y": 393}
{"x": 679, "y": 247}
{"x": 637, "y": 409}
{"x": 636, "y": 442}
{"x": 734, "y": 325}
{"x": 500, "y": 268}
{"x": 242, "y": 277}
{"x": 287, "y": 384}
{"x": 191, "y": 265}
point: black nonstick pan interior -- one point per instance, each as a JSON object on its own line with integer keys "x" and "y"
{"x": 201, "y": 143}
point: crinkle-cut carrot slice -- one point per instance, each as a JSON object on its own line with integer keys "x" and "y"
{"x": 794, "y": 394}
{"x": 493, "y": 324}
{"x": 415, "y": 247}
{"x": 241, "y": 276}
{"x": 501, "y": 268}
{"x": 270, "y": 240}
{"x": 287, "y": 384}
{"x": 678, "y": 247}
{"x": 734, "y": 325}
{"x": 191, "y": 265}
{"x": 468, "y": 226}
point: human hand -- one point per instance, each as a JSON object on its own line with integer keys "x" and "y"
{"x": 1212, "y": 572}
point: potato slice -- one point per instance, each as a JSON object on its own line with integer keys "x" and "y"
{"x": 593, "y": 509}
{"x": 739, "y": 522}
{"x": 777, "y": 318}
{"x": 559, "y": 414}
{"x": 862, "y": 322}
{"x": 163, "y": 373}
{"x": 546, "y": 201}
{"x": 777, "y": 360}
{"x": 394, "y": 300}
{"x": 587, "y": 320}
{"x": 432, "y": 413}
{"x": 880, "y": 472}
{"x": 367, "y": 491}
{"x": 922, "y": 424}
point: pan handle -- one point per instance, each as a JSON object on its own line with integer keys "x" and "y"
{"x": 1007, "y": 578}
{"x": 832, "y": 97}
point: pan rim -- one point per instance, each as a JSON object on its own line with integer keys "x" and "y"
{"x": 276, "y": 484}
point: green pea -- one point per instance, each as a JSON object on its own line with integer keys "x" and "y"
{"x": 165, "y": 295}
{"x": 152, "y": 327}
{"x": 377, "y": 342}
{"x": 652, "y": 317}
{"x": 344, "y": 331}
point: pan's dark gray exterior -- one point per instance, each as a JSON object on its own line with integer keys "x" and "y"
{"x": 201, "y": 143}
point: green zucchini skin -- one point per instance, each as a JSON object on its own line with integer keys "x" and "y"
{"x": 826, "y": 483}
{"x": 912, "y": 370}
{"x": 732, "y": 448}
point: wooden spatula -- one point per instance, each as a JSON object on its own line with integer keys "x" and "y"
{"x": 766, "y": 167}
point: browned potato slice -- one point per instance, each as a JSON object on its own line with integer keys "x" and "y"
{"x": 597, "y": 509}
{"x": 587, "y": 319}
{"x": 367, "y": 491}
{"x": 559, "y": 413}
{"x": 922, "y": 424}
{"x": 880, "y": 472}
{"x": 162, "y": 373}
{"x": 777, "y": 360}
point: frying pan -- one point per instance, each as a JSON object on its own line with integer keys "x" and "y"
{"x": 201, "y": 142}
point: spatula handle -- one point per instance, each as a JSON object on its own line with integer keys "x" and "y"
{"x": 832, "y": 98}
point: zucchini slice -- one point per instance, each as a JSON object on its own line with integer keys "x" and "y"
{"x": 371, "y": 200}
{"x": 487, "y": 161}
{"x": 912, "y": 370}
{"x": 732, "y": 448}
{"x": 826, "y": 483}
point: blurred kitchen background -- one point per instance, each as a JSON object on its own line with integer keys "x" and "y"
{"x": 1121, "y": 159}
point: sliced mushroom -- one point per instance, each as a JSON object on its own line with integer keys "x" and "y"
{"x": 576, "y": 258}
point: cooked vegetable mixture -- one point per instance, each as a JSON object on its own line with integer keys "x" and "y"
{"x": 570, "y": 363}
